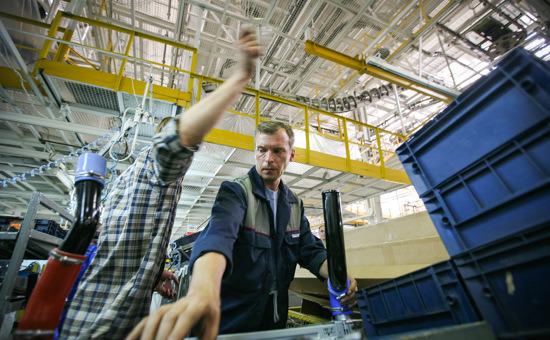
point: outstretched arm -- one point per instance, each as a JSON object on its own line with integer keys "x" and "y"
{"x": 200, "y": 118}
{"x": 200, "y": 308}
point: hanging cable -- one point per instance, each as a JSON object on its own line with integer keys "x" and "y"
{"x": 55, "y": 163}
{"x": 112, "y": 174}
{"x": 115, "y": 136}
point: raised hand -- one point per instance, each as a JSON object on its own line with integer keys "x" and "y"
{"x": 250, "y": 51}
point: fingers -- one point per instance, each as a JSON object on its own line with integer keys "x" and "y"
{"x": 166, "y": 323}
{"x": 170, "y": 293}
{"x": 352, "y": 286}
{"x": 209, "y": 330}
{"x": 250, "y": 51}
{"x": 167, "y": 291}
{"x": 168, "y": 275}
{"x": 165, "y": 287}
{"x": 350, "y": 298}
{"x": 171, "y": 325}
{"x": 251, "y": 47}
{"x": 151, "y": 323}
{"x": 175, "y": 320}
{"x": 249, "y": 43}
{"x": 245, "y": 32}
{"x": 198, "y": 314}
{"x": 134, "y": 334}
{"x": 183, "y": 326}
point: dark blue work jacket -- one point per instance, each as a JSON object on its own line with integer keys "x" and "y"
{"x": 248, "y": 278}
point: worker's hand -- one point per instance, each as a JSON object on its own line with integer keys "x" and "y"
{"x": 164, "y": 287}
{"x": 175, "y": 320}
{"x": 250, "y": 51}
{"x": 199, "y": 309}
{"x": 349, "y": 299}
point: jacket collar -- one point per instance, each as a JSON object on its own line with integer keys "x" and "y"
{"x": 258, "y": 187}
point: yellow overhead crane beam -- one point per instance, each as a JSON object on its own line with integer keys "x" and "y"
{"x": 382, "y": 70}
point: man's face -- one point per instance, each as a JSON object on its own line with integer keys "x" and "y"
{"x": 273, "y": 153}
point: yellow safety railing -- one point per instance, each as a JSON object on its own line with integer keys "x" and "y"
{"x": 373, "y": 152}
{"x": 64, "y": 49}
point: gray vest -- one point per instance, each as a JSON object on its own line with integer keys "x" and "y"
{"x": 257, "y": 218}
{"x": 257, "y": 213}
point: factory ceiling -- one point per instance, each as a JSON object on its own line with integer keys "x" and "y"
{"x": 355, "y": 78}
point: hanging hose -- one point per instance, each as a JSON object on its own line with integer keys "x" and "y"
{"x": 338, "y": 282}
{"x": 47, "y": 301}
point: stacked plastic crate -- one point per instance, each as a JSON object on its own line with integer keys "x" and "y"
{"x": 49, "y": 227}
{"x": 482, "y": 168}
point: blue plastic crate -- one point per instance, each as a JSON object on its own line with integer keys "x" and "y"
{"x": 49, "y": 227}
{"x": 39, "y": 221}
{"x": 182, "y": 241}
{"x": 482, "y": 166}
{"x": 509, "y": 281}
{"x": 426, "y": 298}
{"x": 512, "y": 99}
{"x": 506, "y": 192}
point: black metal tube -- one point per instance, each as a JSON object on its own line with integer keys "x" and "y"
{"x": 86, "y": 217}
{"x": 336, "y": 251}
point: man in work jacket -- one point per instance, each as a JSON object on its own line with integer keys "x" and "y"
{"x": 246, "y": 257}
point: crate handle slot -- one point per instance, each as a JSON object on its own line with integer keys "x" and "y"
{"x": 451, "y": 300}
{"x": 487, "y": 292}
{"x": 528, "y": 85}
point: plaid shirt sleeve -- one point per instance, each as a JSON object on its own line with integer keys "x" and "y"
{"x": 171, "y": 158}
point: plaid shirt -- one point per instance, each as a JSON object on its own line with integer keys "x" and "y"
{"x": 115, "y": 292}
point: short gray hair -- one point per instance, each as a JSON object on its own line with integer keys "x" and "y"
{"x": 271, "y": 127}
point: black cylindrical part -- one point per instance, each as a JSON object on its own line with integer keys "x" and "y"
{"x": 47, "y": 301}
{"x": 336, "y": 251}
{"x": 86, "y": 217}
{"x": 89, "y": 182}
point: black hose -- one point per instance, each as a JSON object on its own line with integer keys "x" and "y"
{"x": 336, "y": 251}
{"x": 86, "y": 217}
